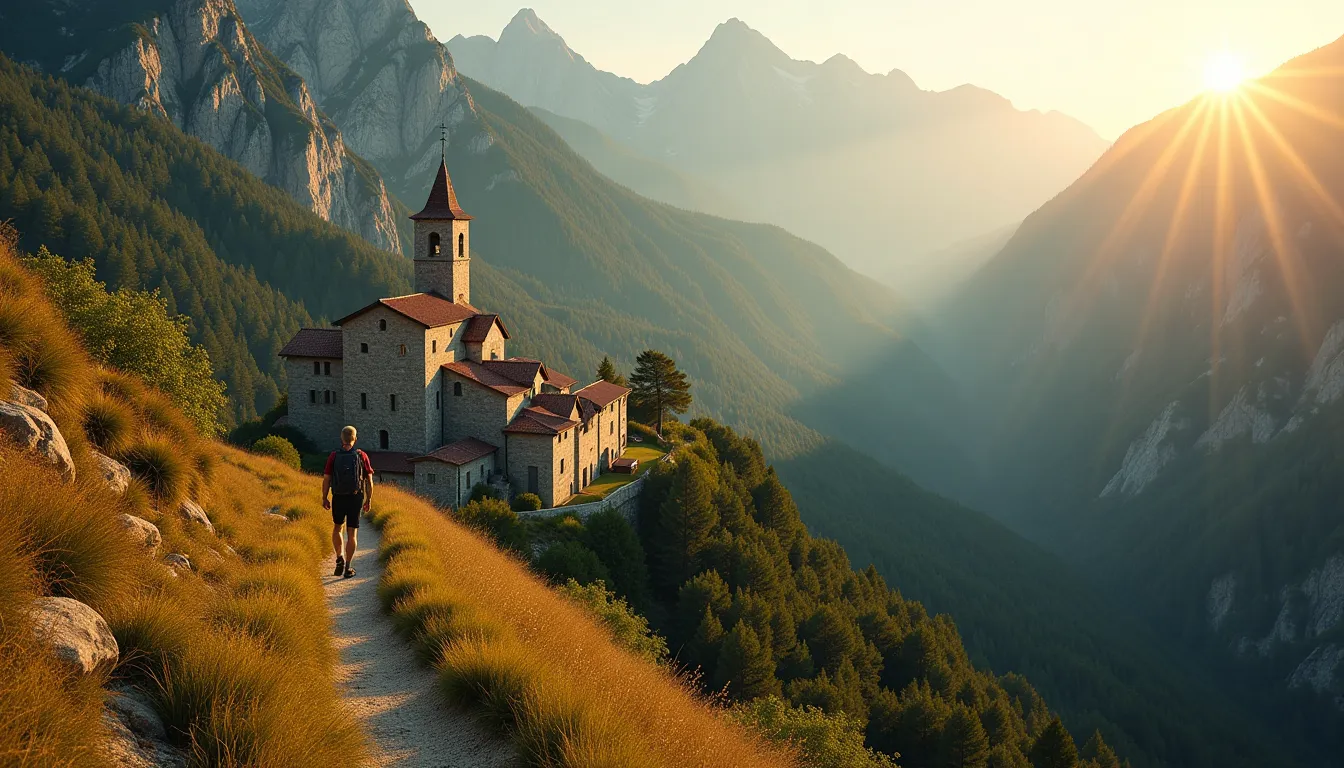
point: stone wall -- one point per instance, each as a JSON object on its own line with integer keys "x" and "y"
{"x": 384, "y": 371}
{"x": 448, "y": 485}
{"x": 491, "y": 349}
{"x": 624, "y": 500}
{"x": 446, "y": 274}
{"x": 540, "y": 451}
{"x": 479, "y": 412}
{"x": 319, "y": 421}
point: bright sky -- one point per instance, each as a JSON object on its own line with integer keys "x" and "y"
{"x": 1109, "y": 64}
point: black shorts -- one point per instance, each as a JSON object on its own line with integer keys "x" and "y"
{"x": 345, "y": 509}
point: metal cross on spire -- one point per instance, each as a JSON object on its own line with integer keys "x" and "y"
{"x": 443, "y": 142}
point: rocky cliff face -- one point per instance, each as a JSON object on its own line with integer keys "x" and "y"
{"x": 381, "y": 75}
{"x": 194, "y": 62}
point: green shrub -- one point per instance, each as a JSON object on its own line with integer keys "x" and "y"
{"x": 571, "y": 560}
{"x": 834, "y": 741}
{"x": 278, "y": 447}
{"x": 526, "y": 502}
{"x": 496, "y": 519}
{"x": 481, "y": 492}
{"x": 160, "y": 464}
{"x": 109, "y": 424}
{"x": 630, "y": 630}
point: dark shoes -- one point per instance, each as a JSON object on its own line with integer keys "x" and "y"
{"x": 340, "y": 566}
{"x": 349, "y": 572}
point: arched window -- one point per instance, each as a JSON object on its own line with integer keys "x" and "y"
{"x": 382, "y": 325}
{"x": 461, "y": 245}
{"x": 382, "y": 439}
{"x": 433, "y": 243}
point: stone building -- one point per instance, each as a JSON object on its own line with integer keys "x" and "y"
{"x": 439, "y": 405}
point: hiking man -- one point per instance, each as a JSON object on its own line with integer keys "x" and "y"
{"x": 348, "y": 479}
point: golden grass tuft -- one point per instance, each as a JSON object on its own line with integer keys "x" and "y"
{"x": 536, "y": 663}
{"x": 158, "y": 462}
{"x": 109, "y": 423}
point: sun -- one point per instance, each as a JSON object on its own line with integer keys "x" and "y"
{"x": 1223, "y": 72}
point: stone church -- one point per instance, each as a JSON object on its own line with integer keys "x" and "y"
{"x": 439, "y": 405}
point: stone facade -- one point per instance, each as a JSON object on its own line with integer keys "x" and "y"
{"x": 385, "y": 356}
{"x": 611, "y": 433}
{"x": 490, "y": 349}
{"x": 449, "y": 485}
{"x": 446, "y": 272}
{"x": 585, "y": 454}
{"x": 554, "y": 476}
{"x": 316, "y": 402}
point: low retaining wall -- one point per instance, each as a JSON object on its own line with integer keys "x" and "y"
{"x": 624, "y": 500}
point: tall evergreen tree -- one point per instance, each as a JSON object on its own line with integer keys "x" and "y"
{"x": 745, "y": 666}
{"x": 659, "y": 388}
{"x": 1098, "y": 754}
{"x": 613, "y": 539}
{"x": 965, "y": 744}
{"x": 606, "y": 371}
{"x": 1054, "y": 748}
{"x": 684, "y": 524}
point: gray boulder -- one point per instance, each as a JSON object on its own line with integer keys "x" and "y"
{"x": 136, "y": 736}
{"x": 34, "y": 430}
{"x": 74, "y": 632}
{"x": 142, "y": 531}
{"x": 115, "y": 474}
{"x": 196, "y": 514}
{"x": 27, "y": 397}
{"x": 177, "y": 561}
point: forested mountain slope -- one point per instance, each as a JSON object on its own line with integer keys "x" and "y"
{"x": 195, "y": 63}
{"x": 1157, "y": 359}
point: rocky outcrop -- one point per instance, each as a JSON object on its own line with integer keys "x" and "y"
{"x": 34, "y": 431}
{"x": 142, "y": 531}
{"x": 193, "y": 512}
{"x": 137, "y": 737}
{"x": 27, "y": 397}
{"x": 197, "y": 65}
{"x": 381, "y": 75}
{"x": 115, "y": 474}
{"x": 1146, "y": 455}
{"x": 76, "y": 633}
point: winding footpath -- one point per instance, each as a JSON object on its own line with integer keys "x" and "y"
{"x": 387, "y": 689}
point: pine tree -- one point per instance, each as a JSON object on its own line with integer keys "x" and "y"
{"x": 965, "y": 744}
{"x": 684, "y": 524}
{"x": 659, "y": 388}
{"x": 1098, "y": 753}
{"x": 606, "y": 371}
{"x": 1054, "y": 748}
{"x": 745, "y": 667}
{"x": 609, "y": 535}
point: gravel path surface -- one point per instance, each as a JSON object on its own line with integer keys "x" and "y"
{"x": 386, "y": 687}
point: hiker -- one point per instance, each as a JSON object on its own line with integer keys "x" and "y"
{"x": 348, "y": 479}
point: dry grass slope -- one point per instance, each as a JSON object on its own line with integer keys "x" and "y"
{"x": 536, "y": 663}
{"x": 234, "y": 654}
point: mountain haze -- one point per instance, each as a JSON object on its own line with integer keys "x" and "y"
{"x": 1158, "y": 360}
{"x": 870, "y": 166}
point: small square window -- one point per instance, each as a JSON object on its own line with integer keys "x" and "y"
{"x": 364, "y": 348}
{"x": 312, "y": 396}
{"x": 326, "y": 396}
{"x": 392, "y": 400}
{"x": 382, "y": 325}
{"x": 317, "y": 368}
{"x": 433, "y": 478}
{"x": 364, "y": 401}
{"x": 326, "y": 369}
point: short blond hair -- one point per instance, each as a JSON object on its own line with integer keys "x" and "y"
{"x": 348, "y": 434}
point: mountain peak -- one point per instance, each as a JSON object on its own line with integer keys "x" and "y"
{"x": 734, "y": 37}
{"x": 526, "y": 23}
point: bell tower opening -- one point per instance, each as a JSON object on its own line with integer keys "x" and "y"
{"x": 433, "y": 244}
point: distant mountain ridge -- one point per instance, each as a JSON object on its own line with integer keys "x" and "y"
{"x": 869, "y": 166}
{"x": 195, "y": 63}
{"x": 1157, "y": 360}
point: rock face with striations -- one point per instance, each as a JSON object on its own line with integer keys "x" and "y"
{"x": 381, "y": 75}
{"x": 194, "y": 62}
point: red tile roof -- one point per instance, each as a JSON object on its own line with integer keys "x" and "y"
{"x": 559, "y": 380}
{"x": 314, "y": 342}
{"x": 442, "y": 202}
{"x": 603, "y": 393}
{"x": 517, "y": 369}
{"x": 427, "y": 309}
{"x": 539, "y": 421}
{"x": 478, "y": 329}
{"x": 396, "y": 462}
{"x": 461, "y": 452}
{"x": 485, "y": 377}
{"x": 560, "y": 405}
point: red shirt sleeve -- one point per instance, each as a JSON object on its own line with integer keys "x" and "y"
{"x": 368, "y": 465}
{"x": 330, "y": 459}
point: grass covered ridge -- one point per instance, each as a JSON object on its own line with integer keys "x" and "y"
{"x": 537, "y": 663}
{"x": 234, "y": 653}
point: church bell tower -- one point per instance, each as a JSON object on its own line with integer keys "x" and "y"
{"x": 443, "y": 243}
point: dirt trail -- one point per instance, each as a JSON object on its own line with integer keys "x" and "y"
{"x": 387, "y": 688}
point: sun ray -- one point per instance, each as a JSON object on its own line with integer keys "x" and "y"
{"x": 1293, "y": 102}
{"x": 1295, "y": 160}
{"x": 1283, "y": 251}
{"x": 1223, "y": 198}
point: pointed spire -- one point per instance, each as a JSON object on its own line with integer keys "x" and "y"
{"x": 442, "y": 202}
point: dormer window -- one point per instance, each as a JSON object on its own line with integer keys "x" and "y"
{"x": 433, "y": 243}
{"x": 461, "y": 245}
